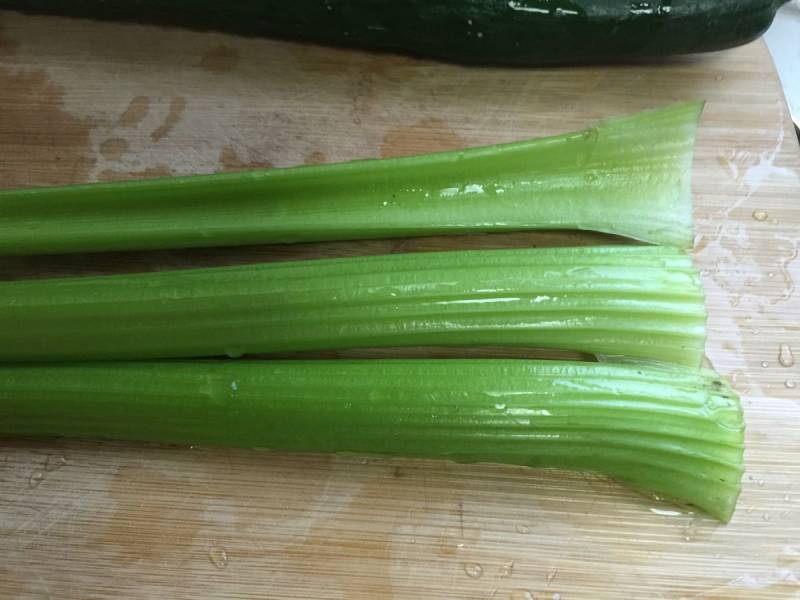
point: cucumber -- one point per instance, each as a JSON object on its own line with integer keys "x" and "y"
{"x": 502, "y": 32}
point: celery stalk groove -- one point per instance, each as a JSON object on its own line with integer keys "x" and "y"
{"x": 634, "y": 301}
{"x": 669, "y": 430}
{"x": 627, "y": 176}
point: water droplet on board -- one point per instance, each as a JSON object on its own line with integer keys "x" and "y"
{"x": 785, "y": 356}
{"x": 749, "y": 509}
{"x": 521, "y": 595}
{"x": 765, "y": 516}
{"x": 789, "y": 554}
{"x": 218, "y": 557}
{"x": 760, "y": 483}
{"x": 790, "y": 383}
{"x": 551, "y": 575}
{"x": 760, "y": 215}
{"x": 764, "y": 364}
{"x": 523, "y": 529}
{"x": 54, "y": 462}
{"x": 719, "y": 77}
{"x": 691, "y": 530}
{"x": 35, "y": 479}
{"x": 666, "y": 513}
{"x": 787, "y": 498}
{"x": 507, "y": 569}
{"x": 473, "y": 570}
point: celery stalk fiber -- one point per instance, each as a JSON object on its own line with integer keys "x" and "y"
{"x": 635, "y": 301}
{"x": 626, "y": 176}
{"x": 669, "y": 430}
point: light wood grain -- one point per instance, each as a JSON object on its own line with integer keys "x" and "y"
{"x": 82, "y": 101}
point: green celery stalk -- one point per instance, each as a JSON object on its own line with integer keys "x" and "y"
{"x": 635, "y": 301}
{"x": 628, "y": 176}
{"x": 669, "y": 430}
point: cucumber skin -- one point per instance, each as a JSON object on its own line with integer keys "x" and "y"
{"x": 501, "y": 32}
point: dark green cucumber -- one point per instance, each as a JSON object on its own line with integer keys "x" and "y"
{"x": 508, "y": 32}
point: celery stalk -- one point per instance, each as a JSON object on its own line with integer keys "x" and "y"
{"x": 635, "y": 301}
{"x": 626, "y": 176}
{"x": 669, "y": 430}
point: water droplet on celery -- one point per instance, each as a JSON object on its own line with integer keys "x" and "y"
{"x": 234, "y": 352}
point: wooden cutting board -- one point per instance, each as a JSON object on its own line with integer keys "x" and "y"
{"x": 84, "y": 102}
